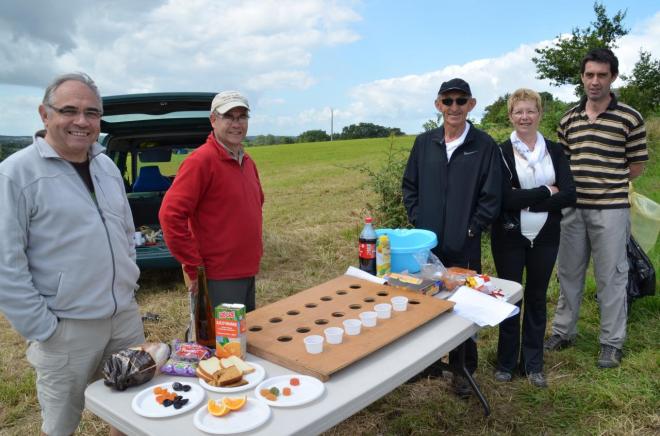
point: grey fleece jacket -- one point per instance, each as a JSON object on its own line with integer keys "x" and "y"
{"x": 63, "y": 255}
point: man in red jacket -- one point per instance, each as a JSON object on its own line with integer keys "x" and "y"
{"x": 211, "y": 215}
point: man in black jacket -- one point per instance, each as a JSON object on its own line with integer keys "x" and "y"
{"x": 452, "y": 186}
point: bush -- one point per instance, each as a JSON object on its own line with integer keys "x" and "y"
{"x": 386, "y": 183}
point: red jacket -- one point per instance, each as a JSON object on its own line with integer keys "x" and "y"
{"x": 211, "y": 214}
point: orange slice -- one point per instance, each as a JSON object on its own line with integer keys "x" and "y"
{"x": 234, "y": 403}
{"x": 233, "y": 348}
{"x": 217, "y": 409}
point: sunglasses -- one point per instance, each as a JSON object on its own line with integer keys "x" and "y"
{"x": 461, "y": 101}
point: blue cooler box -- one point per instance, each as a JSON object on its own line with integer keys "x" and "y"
{"x": 405, "y": 243}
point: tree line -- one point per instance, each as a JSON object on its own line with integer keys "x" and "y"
{"x": 354, "y": 131}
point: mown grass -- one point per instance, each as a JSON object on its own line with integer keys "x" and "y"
{"x": 314, "y": 207}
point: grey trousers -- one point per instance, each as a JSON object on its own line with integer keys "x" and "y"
{"x": 601, "y": 234}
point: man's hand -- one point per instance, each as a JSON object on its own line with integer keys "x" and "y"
{"x": 193, "y": 287}
{"x": 553, "y": 189}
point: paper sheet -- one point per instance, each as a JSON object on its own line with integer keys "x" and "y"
{"x": 358, "y": 273}
{"x": 480, "y": 308}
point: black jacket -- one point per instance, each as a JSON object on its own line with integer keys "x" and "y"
{"x": 538, "y": 199}
{"x": 449, "y": 198}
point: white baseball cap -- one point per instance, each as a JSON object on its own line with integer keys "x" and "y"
{"x": 227, "y": 100}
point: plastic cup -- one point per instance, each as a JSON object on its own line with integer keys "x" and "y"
{"x": 369, "y": 319}
{"x": 399, "y": 303}
{"x": 313, "y": 344}
{"x": 352, "y": 326}
{"x": 334, "y": 335}
{"x": 383, "y": 310}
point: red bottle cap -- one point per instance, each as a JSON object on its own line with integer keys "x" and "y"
{"x": 367, "y": 220}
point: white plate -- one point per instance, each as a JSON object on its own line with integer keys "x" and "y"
{"x": 252, "y": 378}
{"x": 144, "y": 403}
{"x": 249, "y": 417}
{"x": 307, "y": 391}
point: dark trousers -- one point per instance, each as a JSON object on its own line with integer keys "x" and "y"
{"x": 471, "y": 260}
{"x": 233, "y": 291}
{"x": 538, "y": 262}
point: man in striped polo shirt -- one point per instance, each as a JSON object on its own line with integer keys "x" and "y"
{"x": 605, "y": 141}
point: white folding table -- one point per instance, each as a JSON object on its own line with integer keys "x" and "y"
{"x": 347, "y": 392}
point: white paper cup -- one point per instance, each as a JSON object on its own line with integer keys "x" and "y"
{"x": 334, "y": 335}
{"x": 313, "y": 344}
{"x": 383, "y": 310}
{"x": 400, "y": 303}
{"x": 352, "y": 326}
{"x": 369, "y": 319}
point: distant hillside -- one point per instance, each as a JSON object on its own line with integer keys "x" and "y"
{"x": 10, "y": 144}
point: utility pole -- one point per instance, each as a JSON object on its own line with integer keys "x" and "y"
{"x": 332, "y": 122}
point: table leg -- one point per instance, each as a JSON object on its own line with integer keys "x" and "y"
{"x": 458, "y": 368}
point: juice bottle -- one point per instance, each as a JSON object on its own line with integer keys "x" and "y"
{"x": 230, "y": 330}
{"x": 383, "y": 256}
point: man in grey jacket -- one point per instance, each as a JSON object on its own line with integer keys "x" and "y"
{"x": 67, "y": 260}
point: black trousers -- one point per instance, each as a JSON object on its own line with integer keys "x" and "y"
{"x": 538, "y": 261}
{"x": 470, "y": 260}
{"x": 233, "y": 291}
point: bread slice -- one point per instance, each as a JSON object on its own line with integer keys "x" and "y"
{"x": 201, "y": 374}
{"x": 238, "y": 363}
{"x": 241, "y": 382}
{"x": 229, "y": 376}
{"x": 209, "y": 367}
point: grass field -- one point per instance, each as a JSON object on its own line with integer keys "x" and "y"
{"x": 315, "y": 202}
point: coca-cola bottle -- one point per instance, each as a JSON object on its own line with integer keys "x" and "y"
{"x": 367, "y": 246}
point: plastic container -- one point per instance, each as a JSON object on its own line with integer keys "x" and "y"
{"x": 399, "y": 303}
{"x": 405, "y": 244}
{"x": 369, "y": 319}
{"x": 367, "y": 248}
{"x": 334, "y": 335}
{"x": 383, "y": 310}
{"x": 313, "y": 344}
{"x": 352, "y": 327}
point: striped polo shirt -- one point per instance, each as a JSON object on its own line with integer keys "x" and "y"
{"x": 600, "y": 152}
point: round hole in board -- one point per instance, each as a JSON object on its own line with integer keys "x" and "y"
{"x": 337, "y": 314}
{"x": 383, "y": 293}
{"x": 369, "y": 300}
{"x": 413, "y": 302}
{"x": 341, "y": 292}
{"x": 321, "y": 321}
{"x": 303, "y": 329}
{"x": 293, "y": 312}
{"x": 355, "y": 306}
{"x": 326, "y": 298}
{"x": 255, "y": 328}
{"x": 275, "y": 320}
{"x": 284, "y": 338}
{"x": 310, "y": 305}
{"x": 355, "y": 286}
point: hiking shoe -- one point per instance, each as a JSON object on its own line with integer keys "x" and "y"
{"x": 537, "y": 379}
{"x": 609, "y": 357}
{"x": 556, "y": 343}
{"x": 461, "y": 386}
{"x": 503, "y": 376}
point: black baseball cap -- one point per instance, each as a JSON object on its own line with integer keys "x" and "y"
{"x": 455, "y": 85}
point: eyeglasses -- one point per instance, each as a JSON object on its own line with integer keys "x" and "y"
{"x": 239, "y": 119}
{"x": 461, "y": 101}
{"x": 73, "y": 112}
{"x": 520, "y": 114}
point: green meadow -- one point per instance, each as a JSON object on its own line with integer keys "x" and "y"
{"x": 316, "y": 198}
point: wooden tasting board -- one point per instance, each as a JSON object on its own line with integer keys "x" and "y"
{"x": 276, "y": 331}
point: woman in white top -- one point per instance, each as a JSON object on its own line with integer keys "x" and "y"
{"x": 537, "y": 184}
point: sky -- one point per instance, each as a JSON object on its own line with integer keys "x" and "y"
{"x": 298, "y": 61}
